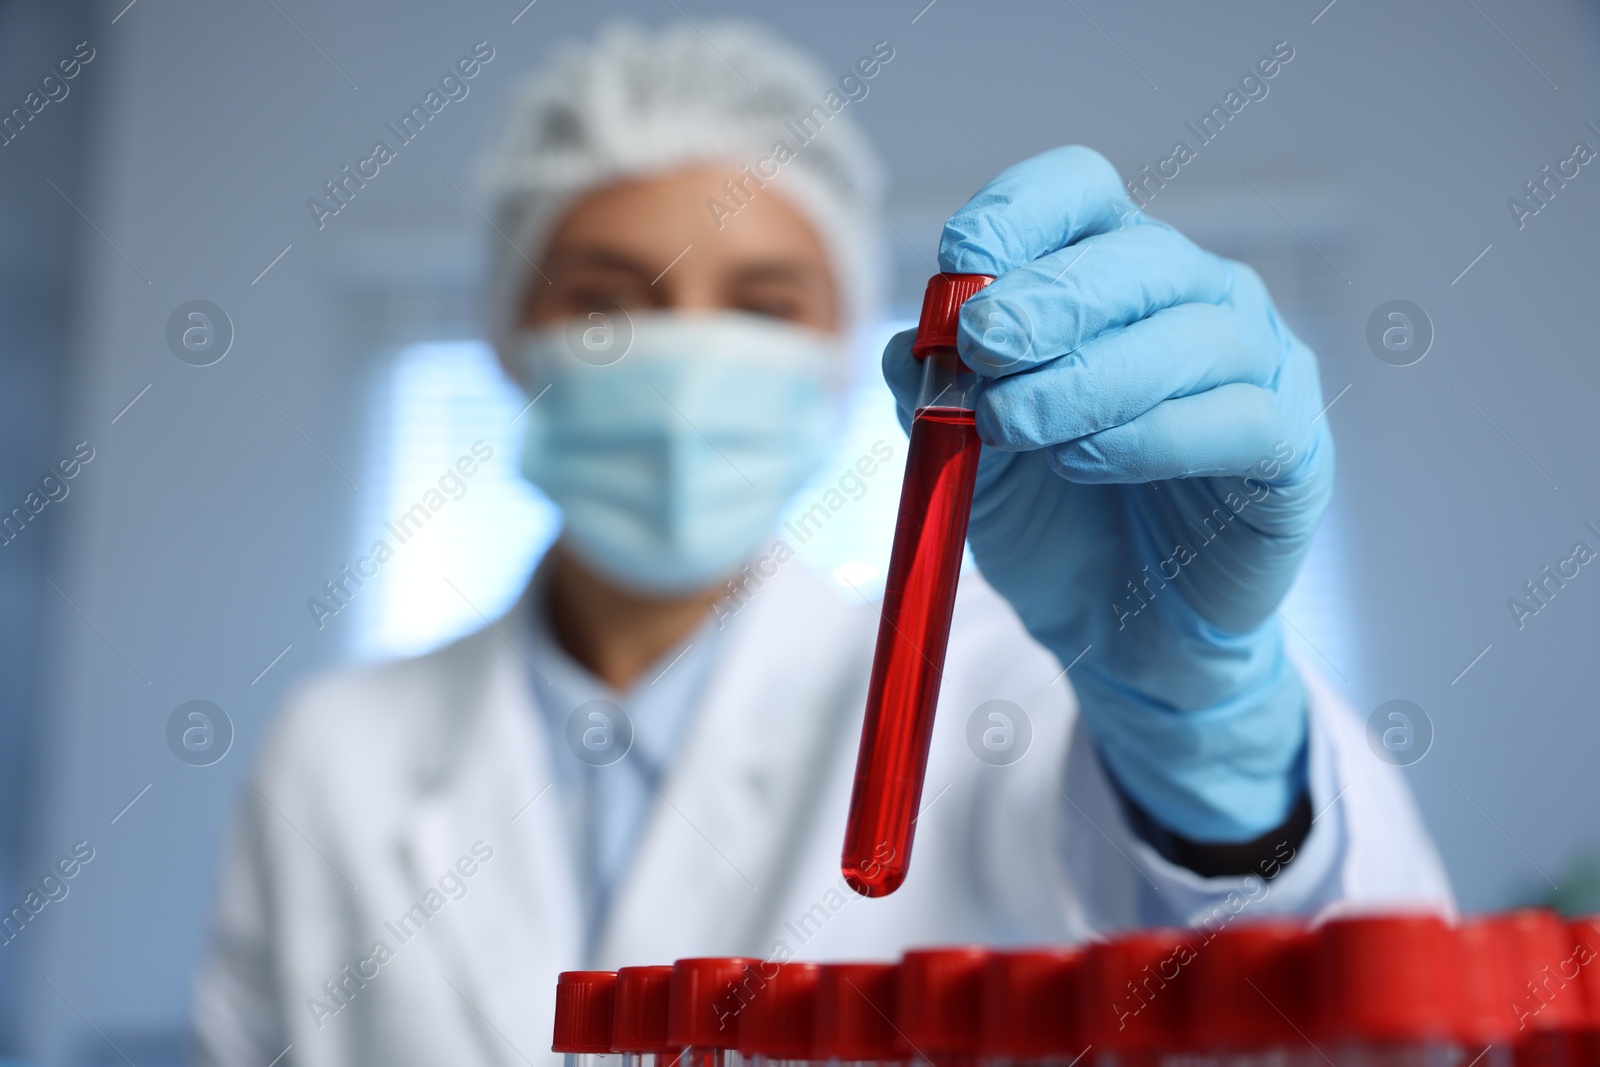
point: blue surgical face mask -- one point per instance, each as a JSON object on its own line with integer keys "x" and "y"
{"x": 672, "y": 462}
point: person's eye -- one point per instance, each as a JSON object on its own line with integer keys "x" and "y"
{"x": 774, "y": 305}
{"x": 575, "y": 297}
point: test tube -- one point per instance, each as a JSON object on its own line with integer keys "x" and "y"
{"x": 1132, "y": 997}
{"x": 855, "y": 1012}
{"x": 1386, "y": 992}
{"x": 584, "y": 1002}
{"x": 1541, "y": 962}
{"x": 1031, "y": 1016}
{"x": 1229, "y": 1024}
{"x": 939, "y": 1011}
{"x": 1487, "y": 1031}
{"x": 704, "y": 1003}
{"x": 919, "y": 595}
{"x": 775, "y": 1029}
{"x": 639, "y": 1018}
{"x": 1584, "y": 935}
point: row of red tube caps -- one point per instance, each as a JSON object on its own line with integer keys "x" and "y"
{"x": 1518, "y": 980}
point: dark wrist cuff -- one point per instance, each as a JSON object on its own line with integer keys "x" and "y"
{"x": 1264, "y": 856}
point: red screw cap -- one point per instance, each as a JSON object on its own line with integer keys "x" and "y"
{"x": 777, "y": 1022}
{"x": 1386, "y": 978}
{"x": 1248, "y": 988}
{"x": 639, "y": 1019}
{"x": 1030, "y": 1001}
{"x": 1586, "y": 933}
{"x": 1481, "y": 959}
{"x": 707, "y": 997}
{"x": 1129, "y": 995}
{"x": 584, "y": 1002}
{"x": 941, "y": 310}
{"x": 855, "y": 1012}
{"x": 1542, "y": 969}
{"x": 940, "y": 992}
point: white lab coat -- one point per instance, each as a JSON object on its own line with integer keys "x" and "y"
{"x": 377, "y": 783}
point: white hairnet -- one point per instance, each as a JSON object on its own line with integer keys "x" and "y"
{"x": 636, "y": 101}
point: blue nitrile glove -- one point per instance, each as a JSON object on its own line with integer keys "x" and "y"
{"x": 1154, "y": 468}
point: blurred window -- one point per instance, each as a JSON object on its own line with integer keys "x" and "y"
{"x": 471, "y": 558}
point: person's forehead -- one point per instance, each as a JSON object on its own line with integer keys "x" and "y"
{"x": 709, "y": 210}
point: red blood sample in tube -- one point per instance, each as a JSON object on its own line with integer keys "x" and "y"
{"x": 919, "y": 595}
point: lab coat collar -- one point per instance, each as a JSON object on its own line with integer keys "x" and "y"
{"x": 770, "y": 716}
{"x": 483, "y": 774}
{"x": 726, "y": 817}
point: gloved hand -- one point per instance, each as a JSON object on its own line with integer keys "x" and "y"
{"x": 1153, "y": 471}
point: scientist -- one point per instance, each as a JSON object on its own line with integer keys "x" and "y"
{"x": 622, "y": 771}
